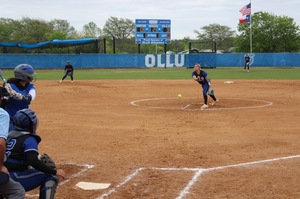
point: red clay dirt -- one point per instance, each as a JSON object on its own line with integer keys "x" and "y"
{"x": 182, "y": 152}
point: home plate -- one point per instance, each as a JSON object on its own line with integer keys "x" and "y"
{"x": 92, "y": 185}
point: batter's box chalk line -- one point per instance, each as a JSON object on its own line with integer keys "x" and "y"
{"x": 185, "y": 107}
{"x": 198, "y": 171}
{"x": 85, "y": 168}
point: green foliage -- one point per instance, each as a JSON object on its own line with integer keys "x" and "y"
{"x": 29, "y": 30}
{"x": 6, "y": 29}
{"x": 91, "y": 30}
{"x": 119, "y": 28}
{"x": 126, "y": 45}
{"x": 63, "y": 27}
{"x": 35, "y": 30}
{"x": 270, "y": 34}
{"x": 222, "y": 35}
{"x": 179, "y": 45}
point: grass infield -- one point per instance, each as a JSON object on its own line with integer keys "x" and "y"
{"x": 168, "y": 73}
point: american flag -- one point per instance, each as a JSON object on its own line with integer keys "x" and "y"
{"x": 246, "y": 10}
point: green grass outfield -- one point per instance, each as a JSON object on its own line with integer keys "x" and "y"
{"x": 168, "y": 73}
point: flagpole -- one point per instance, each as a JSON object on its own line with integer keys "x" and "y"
{"x": 251, "y": 28}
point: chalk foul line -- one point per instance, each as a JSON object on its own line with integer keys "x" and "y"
{"x": 196, "y": 176}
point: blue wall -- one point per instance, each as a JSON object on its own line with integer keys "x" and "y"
{"x": 260, "y": 59}
{"x": 55, "y": 61}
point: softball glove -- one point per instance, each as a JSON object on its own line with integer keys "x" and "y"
{"x": 47, "y": 160}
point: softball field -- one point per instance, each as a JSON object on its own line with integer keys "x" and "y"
{"x": 140, "y": 139}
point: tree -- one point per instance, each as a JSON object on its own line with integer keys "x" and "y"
{"x": 62, "y": 30}
{"x": 270, "y": 33}
{"x": 6, "y": 29}
{"x": 34, "y": 30}
{"x": 119, "y": 28}
{"x": 222, "y": 35}
{"x": 91, "y": 30}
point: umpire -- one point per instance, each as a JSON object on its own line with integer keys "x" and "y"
{"x": 8, "y": 187}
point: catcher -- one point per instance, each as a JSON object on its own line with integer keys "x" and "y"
{"x": 69, "y": 69}
{"x": 201, "y": 77}
{"x": 23, "y": 161}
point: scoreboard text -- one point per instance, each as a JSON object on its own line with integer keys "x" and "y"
{"x": 152, "y": 31}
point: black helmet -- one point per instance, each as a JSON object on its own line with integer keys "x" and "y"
{"x": 24, "y": 72}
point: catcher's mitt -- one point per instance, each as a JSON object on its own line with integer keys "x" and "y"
{"x": 47, "y": 160}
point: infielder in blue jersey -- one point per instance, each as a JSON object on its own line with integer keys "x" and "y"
{"x": 247, "y": 63}
{"x": 69, "y": 70}
{"x": 201, "y": 77}
{"x": 21, "y": 89}
{"x": 22, "y": 153}
{"x": 8, "y": 187}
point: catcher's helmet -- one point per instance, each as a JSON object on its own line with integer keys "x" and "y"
{"x": 24, "y": 72}
{"x": 25, "y": 120}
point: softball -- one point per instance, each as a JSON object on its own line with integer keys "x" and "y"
{"x": 179, "y": 96}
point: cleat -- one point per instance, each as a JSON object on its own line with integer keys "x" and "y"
{"x": 214, "y": 102}
{"x": 205, "y": 106}
{"x": 71, "y": 81}
{"x": 60, "y": 81}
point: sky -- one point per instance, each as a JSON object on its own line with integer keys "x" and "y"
{"x": 185, "y": 15}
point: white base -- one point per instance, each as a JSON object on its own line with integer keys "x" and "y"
{"x": 92, "y": 185}
{"x": 228, "y": 82}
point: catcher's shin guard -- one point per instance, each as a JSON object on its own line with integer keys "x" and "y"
{"x": 48, "y": 189}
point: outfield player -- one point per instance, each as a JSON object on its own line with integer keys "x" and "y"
{"x": 247, "y": 63}
{"x": 22, "y": 157}
{"x": 8, "y": 187}
{"x": 69, "y": 70}
{"x": 201, "y": 77}
{"x": 21, "y": 90}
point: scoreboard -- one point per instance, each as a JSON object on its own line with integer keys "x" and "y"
{"x": 152, "y": 31}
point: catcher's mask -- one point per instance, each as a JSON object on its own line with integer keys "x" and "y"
{"x": 25, "y": 120}
{"x": 24, "y": 72}
{"x": 4, "y": 96}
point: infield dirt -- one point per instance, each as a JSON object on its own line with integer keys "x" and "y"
{"x": 95, "y": 123}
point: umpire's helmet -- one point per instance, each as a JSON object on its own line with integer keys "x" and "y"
{"x": 25, "y": 120}
{"x": 24, "y": 72}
